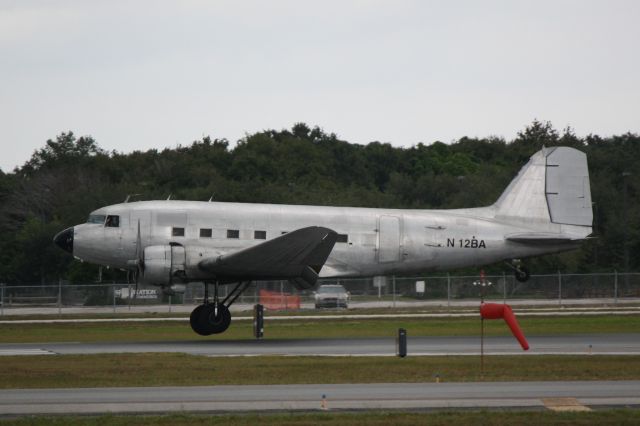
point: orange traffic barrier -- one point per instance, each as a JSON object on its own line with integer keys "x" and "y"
{"x": 278, "y": 301}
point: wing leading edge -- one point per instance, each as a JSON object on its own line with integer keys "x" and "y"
{"x": 297, "y": 256}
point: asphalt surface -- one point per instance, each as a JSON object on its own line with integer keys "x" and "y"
{"x": 554, "y": 395}
{"x": 372, "y": 304}
{"x": 596, "y": 344}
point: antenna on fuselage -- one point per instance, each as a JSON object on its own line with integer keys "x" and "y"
{"x": 169, "y": 197}
{"x": 211, "y": 199}
{"x": 126, "y": 200}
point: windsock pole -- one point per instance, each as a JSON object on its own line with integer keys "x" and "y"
{"x": 481, "y": 346}
{"x": 482, "y": 283}
{"x": 496, "y": 311}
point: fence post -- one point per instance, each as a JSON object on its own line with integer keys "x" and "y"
{"x": 113, "y": 290}
{"x": 59, "y": 296}
{"x": 170, "y": 303}
{"x": 282, "y": 299}
{"x": 2, "y": 299}
{"x": 559, "y": 288}
{"x": 615, "y": 286}
{"x": 504, "y": 287}
{"x": 394, "y": 291}
{"x": 448, "y": 290}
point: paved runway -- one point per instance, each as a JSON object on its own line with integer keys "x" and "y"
{"x": 597, "y": 344}
{"x": 556, "y": 395}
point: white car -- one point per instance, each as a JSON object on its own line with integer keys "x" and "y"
{"x": 332, "y": 296}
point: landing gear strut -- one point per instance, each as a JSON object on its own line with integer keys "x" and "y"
{"x": 520, "y": 271}
{"x": 522, "y": 274}
{"x": 214, "y": 318}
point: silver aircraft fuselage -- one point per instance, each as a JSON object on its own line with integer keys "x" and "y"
{"x": 378, "y": 241}
{"x": 546, "y": 209}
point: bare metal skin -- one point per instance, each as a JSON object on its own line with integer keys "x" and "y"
{"x": 545, "y": 209}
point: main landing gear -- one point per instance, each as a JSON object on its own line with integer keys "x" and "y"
{"x": 520, "y": 271}
{"x": 214, "y": 318}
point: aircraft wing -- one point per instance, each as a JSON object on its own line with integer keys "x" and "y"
{"x": 297, "y": 256}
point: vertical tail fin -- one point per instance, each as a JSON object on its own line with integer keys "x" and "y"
{"x": 553, "y": 187}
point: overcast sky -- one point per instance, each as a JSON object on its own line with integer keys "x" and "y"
{"x": 154, "y": 74}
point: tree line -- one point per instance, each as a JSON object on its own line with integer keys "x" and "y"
{"x": 71, "y": 176}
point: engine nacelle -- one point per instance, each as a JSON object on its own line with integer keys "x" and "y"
{"x": 163, "y": 265}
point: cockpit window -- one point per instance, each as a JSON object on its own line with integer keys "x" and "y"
{"x": 112, "y": 221}
{"x": 96, "y": 218}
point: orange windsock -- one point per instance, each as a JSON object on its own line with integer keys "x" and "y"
{"x": 492, "y": 311}
{"x": 497, "y": 310}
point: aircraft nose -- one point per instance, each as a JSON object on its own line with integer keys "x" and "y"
{"x": 64, "y": 240}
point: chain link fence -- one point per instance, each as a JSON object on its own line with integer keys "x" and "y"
{"x": 444, "y": 290}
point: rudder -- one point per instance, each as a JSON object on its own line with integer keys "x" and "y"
{"x": 567, "y": 187}
{"x": 552, "y": 187}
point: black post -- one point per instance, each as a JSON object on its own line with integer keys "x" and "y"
{"x": 401, "y": 343}
{"x": 258, "y": 321}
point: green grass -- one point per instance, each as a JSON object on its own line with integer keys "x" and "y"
{"x": 314, "y": 328}
{"x": 168, "y": 369}
{"x": 493, "y": 418}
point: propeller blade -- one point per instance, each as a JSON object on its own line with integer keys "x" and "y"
{"x": 139, "y": 263}
{"x": 138, "y": 243}
{"x": 135, "y": 292}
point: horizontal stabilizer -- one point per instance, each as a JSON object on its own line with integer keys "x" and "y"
{"x": 296, "y": 255}
{"x": 543, "y": 238}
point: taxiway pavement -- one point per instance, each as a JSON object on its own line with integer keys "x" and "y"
{"x": 579, "y": 344}
{"x": 554, "y": 395}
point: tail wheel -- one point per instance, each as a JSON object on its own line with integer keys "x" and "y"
{"x": 522, "y": 274}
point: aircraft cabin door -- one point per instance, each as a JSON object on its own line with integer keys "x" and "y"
{"x": 388, "y": 239}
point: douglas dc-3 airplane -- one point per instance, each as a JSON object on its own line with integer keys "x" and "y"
{"x": 545, "y": 209}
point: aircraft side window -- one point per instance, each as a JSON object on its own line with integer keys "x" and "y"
{"x": 260, "y": 235}
{"x": 112, "y": 221}
{"x": 342, "y": 238}
{"x": 96, "y": 218}
{"x": 177, "y": 232}
{"x": 233, "y": 233}
{"x": 205, "y": 233}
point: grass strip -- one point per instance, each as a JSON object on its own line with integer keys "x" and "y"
{"x": 493, "y": 418}
{"x": 168, "y": 369}
{"x": 313, "y": 329}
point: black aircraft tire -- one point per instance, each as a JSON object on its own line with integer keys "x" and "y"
{"x": 197, "y": 321}
{"x": 215, "y": 324}
{"x": 522, "y": 274}
{"x": 204, "y": 321}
